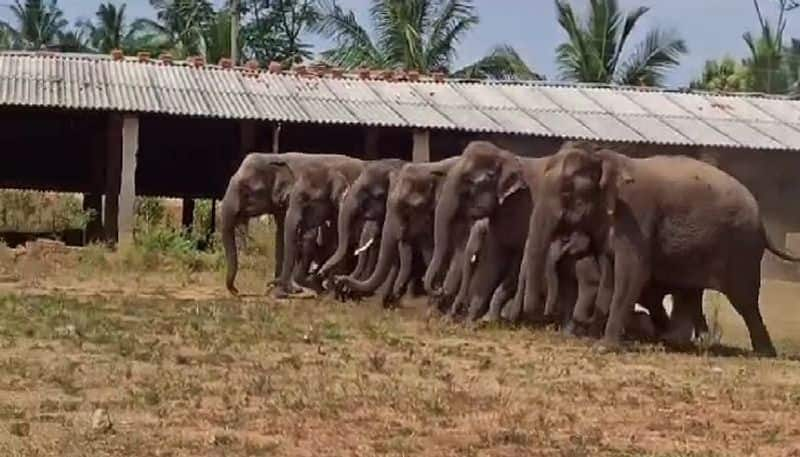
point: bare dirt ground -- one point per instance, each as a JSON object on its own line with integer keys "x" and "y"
{"x": 184, "y": 370}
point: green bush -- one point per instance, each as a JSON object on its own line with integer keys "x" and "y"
{"x": 29, "y": 211}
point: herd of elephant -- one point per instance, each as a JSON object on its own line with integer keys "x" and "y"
{"x": 576, "y": 238}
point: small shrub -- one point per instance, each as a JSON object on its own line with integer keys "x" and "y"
{"x": 28, "y": 211}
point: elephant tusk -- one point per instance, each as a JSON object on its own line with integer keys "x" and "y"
{"x": 314, "y": 267}
{"x": 365, "y": 247}
{"x": 474, "y": 258}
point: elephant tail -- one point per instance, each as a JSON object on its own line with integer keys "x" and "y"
{"x": 785, "y": 255}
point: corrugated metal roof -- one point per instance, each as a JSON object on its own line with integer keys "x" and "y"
{"x": 83, "y": 82}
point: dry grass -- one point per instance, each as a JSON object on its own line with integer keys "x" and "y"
{"x": 185, "y": 371}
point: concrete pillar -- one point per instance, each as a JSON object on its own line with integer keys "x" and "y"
{"x": 187, "y": 213}
{"x": 422, "y": 146}
{"x": 127, "y": 190}
{"x": 371, "y": 137}
{"x": 113, "y": 164}
{"x": 94, "y": 229}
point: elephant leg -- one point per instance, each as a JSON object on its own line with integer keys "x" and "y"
{"x": 384, "y": 291}
{"x": 587, "y": 274}
{"x": 491, "y": 266}
{"x": 685, "y": 303}
{"x": 631, "y": 271}
{"x": 513, "y": 309}
{"x": 468, "y": 262}
{"x": 551, "y": 277}
{"x": 504, "y": 292}
{"x": 406, "y": 258}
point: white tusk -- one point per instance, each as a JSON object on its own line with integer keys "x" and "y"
{"x": 473, "y": 258}
{"x": 365, "y": 247}
{"x": 313, "y": 266}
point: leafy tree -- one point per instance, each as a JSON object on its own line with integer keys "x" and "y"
{"x": 272, "y": 30}
{"x": 769, "y": 58}
{"x": 596, "y": 48}
{"x": 181, "y": 26}
{"x": 39, "y": 23}
{"x": 725, "y": 75}
{"x": 412, "y": 35}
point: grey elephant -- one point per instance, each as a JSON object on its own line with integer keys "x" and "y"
{"x": 261, "y": 185}
{"x": 664, "y": 219}
{"x": 493, "y": 183}
{"x": 406, "y": 231}
{"x": 314, "y": 202}
{"x": 365, "y": 200}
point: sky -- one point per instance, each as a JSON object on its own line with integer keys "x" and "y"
{"x": 711, "y": 28}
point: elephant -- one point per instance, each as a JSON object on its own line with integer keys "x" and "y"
{"x": 314, "y": 201}
{"x": 365, "y": 200}
{"x": 493, "y": 183}
{"x": 472, "y": 250}
{"x": 664, "y": 220}
{"x": 261, "y": 185}
{"x": 406, "y": 230}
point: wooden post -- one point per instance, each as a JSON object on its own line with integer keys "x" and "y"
{"x": 127, "y": 190}
{"x": 187, "y": 213}
{"x": 422, "y": 148}
{"x": 371, "y": 138}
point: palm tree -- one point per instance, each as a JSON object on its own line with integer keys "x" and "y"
{"x": 39, "y": 24}
{"x": 109, "y": 30}
{"x": 596, "y": 47}
{"x": 770, "y": 62}
{"x": 180, "y": 25}
{"x": 411, "y": 35}
{"x": 502, "y": 63}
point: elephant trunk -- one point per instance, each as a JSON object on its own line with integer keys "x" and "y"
{"x": 388, "y": 249}
{"x": 229, "y": 216}
{"x": 446, "y": 209}
{"x": 406, "y": 255}
{"x": 290, "y": 229}
{"x": 543, "y": 225}
{"x": 347, "y": 213}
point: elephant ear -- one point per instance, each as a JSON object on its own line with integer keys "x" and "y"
{"x": 339, "y": 188}
{"x": 282, "y": 182}
{"x": 613, "y": 176}
{"x": 510, "y": 180}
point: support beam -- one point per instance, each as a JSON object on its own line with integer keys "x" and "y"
{"x": 113, "y": 164}
{"x": 127, "y": 190}
{"x": 94, "y": 229}
{"x": 187, "y": 213}
{"x": 422, "y": 148}
{"x": 371, "y": 138}
{"x": 276, "y": 138}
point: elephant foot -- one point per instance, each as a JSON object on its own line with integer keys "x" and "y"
{"x": 606, "y": 346}
{"x": 510, "y": 313}
{"x": 571, "y": 328}
{"x": 490, "y": 317}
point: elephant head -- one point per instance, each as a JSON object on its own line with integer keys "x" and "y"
{"x": 261, "y": 185}
{"x": 365, "y": 199}
{"x": 314, "y": 199}
{"x": 579, "y": 191}
{"x": 482, "y": 180}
